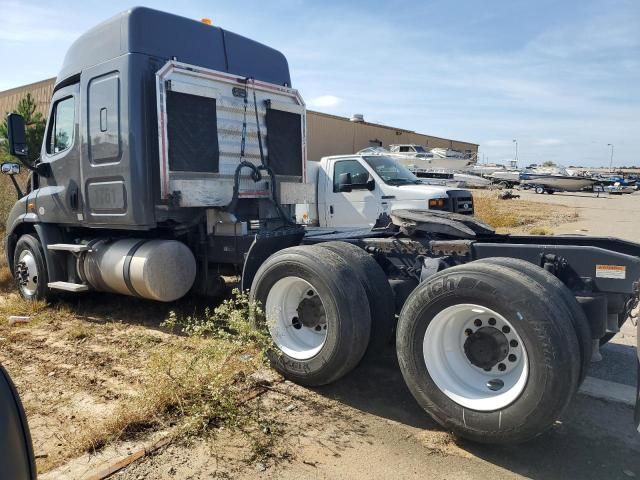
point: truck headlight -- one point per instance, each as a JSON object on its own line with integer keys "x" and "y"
{"x": 436, "y": 203}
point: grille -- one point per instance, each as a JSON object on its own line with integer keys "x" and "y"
{"x": 461, "y": 202}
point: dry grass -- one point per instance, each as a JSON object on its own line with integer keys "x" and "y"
{"x": 518, "y": 215}
{"x": 544, "y": 231}
{"x": 8, "y": 196}
{"x": 88, "y": 381}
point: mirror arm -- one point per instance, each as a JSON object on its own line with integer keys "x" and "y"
{"x": 15, "y": 184}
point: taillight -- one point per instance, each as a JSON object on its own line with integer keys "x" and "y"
{"x": 436, "y": 203}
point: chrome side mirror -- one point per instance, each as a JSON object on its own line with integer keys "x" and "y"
{"x": 9, "y": 168}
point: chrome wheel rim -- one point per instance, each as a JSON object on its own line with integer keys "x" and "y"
{"x": 27, "y": 273}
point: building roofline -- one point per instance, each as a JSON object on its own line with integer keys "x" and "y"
{"x": 388, "y": 127}
{"x": 6, "y": 93}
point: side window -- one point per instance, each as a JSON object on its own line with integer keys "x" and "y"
{"x": 61, "y": 127}
{"x": 359, "y": 174}
{"x": 404, "y": 149}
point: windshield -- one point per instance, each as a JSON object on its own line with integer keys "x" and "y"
{"x": 419, "y": 149}
{"x": 390, "y": 171}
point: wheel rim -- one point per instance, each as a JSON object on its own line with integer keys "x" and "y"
{"x": 296, "y": 318}
{"x": 476, "y": 357}
{"x": 27, "y": 273}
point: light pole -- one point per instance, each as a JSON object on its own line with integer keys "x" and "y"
{"x": 516, "y": 142}
{"x": 611, "y": 160}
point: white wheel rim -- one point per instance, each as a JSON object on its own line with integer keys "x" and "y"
{"x": 296, "y": 318}
{"x": 451, "y": 368}
{"x": 27, "y": 272}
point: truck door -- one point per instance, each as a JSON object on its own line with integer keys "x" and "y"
{"x": 58, "y": 200}
{"x": 353, "y": 198}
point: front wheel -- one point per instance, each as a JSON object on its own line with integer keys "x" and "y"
{"x": 486, "y": 355}
{"x": 539, "y": 190}
{"x": 30, "y": 269}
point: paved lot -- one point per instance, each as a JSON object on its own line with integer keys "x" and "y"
{"x": 604, "y": 215}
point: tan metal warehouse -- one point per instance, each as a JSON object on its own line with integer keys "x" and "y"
{"x": 333, "y": 135}
{"x": 326, "y": 134}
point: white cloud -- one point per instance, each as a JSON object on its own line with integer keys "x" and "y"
{"x": 549, "y": 141}
{"x": 498, "y": 143}
{"x": 324, "y": 101}
{"x": 23, "y": 23}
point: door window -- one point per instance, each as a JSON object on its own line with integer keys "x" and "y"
{"x": 60, "y": 135}
{"x": 359, "y": 174}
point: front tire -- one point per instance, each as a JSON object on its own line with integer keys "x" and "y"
{"x": 30, "y": 269}
{"x": 456, "y": 336}
{"x": 316, "y": 312}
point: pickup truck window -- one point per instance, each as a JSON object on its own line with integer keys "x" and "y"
{"x": 390, "y": 171}
{"x": 60, "y": 135}
{"x": 359, "y": 174}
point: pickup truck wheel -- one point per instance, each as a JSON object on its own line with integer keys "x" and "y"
{"x": 539, "y": 190}
{"x": 555, "y": 288}
{"x": 316, "y": 312}
{"x": 486, "y": 354}
{"x": 379, "y": 293}
{"x": 30, "y": 269}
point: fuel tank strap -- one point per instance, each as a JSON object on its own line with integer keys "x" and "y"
{"x": 127, "y": 265}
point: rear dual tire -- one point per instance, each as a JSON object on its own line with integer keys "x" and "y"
{"x": 452, "y": 384}
{"x": 316, "y": 311}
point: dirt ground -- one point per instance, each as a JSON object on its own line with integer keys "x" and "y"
{"x": 79, "y": 362}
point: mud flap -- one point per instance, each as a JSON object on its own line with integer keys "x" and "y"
{"x": 264, "y": 245}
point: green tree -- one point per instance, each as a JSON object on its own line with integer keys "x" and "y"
{"x": 34, "y": 123}
{"x": 548, "y": 163}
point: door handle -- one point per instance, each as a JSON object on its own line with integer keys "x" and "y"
{"x": 331, "y": 209}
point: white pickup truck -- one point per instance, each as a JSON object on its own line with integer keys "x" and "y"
{"x": 354, "y": 190}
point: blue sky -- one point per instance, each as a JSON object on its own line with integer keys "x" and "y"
{"x": 561, "y": 77}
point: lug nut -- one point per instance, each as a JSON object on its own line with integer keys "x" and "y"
{"x": 492, "y": 321}
{"x": 502, "y": 367}
{"x": 477, "y": 322}
{"x": 512, "y": 358}
{"x": 513, "y": 343}
{"x": 468, "y": 332}
{"x": 506, "y": 329}
{"x": 310, "y": 293}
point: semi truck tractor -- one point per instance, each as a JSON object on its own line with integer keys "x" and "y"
{"x": 175, "y": 152}
{"x": 355, "y": 190}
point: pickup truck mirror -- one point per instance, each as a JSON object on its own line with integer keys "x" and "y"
{"x": 9, "y": 168}
{"x": 371, "y": 185}
{"x": 17, "y": 136}
{"x": 16, "y": 449}
{"x": 344, "y": 182}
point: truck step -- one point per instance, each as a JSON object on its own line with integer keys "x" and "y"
{"x": 68, "y": 247}
{"x": 68, "y": 286}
